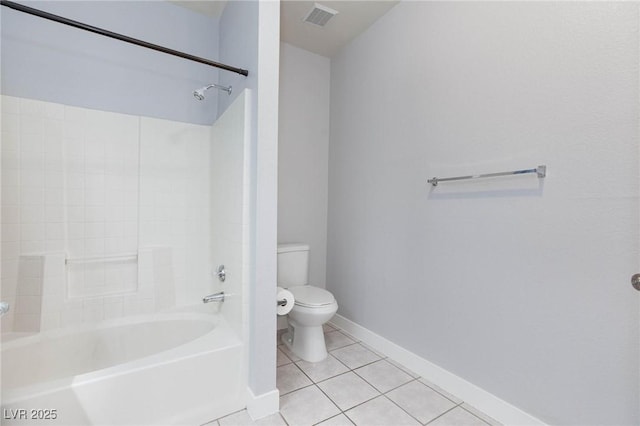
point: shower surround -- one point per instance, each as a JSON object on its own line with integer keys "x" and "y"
{"x": 110, "y": 220}
{"x": 81, "y": 184}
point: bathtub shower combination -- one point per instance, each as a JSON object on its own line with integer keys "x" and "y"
{"x": 160, "y": 369}
{"x": 107, "y": 323}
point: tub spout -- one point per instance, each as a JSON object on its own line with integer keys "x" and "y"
{"x": 215, "y": 297}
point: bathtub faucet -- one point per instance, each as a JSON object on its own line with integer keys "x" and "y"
{"x": 215, "y": 297}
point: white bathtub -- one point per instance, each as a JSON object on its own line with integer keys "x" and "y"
{"x": 163, "y": 369}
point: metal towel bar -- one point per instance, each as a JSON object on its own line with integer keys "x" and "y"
{"x": 541, "y": 171}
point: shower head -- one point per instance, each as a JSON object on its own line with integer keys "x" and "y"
{"x": 199, "y": 93}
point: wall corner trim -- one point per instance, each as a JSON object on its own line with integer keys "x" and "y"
{"x": 262, "y": 405}
{"x": 479, "y": 398}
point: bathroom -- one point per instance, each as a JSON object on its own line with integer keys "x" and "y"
{"x": 507, "y": 299}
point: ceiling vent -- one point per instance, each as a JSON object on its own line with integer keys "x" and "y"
{"x": 319, "y": 15}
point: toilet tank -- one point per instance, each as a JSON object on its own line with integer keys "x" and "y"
{"x": 293, "y": 264}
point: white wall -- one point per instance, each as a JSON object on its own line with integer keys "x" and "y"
{"x": 518, "y": 285}
{"x": 303, "y": 151}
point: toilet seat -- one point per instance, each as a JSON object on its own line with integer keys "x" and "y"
{"x": 309, "y": 296}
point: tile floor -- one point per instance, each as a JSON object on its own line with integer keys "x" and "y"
{"x": 355, "y": 385}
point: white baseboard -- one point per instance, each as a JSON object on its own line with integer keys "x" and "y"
{"x": 262, "y": 405}
{"x": 479, "y": 398}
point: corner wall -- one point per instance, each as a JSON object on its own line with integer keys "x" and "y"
{"x": 249, "y": 38}
{"x": 518, "y": 285}
{"x": 303, "y": 151}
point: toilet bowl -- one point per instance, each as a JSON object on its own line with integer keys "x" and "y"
{"x": 313, "y": 306}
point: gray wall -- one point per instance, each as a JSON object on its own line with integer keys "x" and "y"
{"x": 303, "y": 151}
{"x": 249, "y": 37}
{"x": 238, "y": 46}
{"x": 49, "y": 61}
{"x": 517, "y": 285}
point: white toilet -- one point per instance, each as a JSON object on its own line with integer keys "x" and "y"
{"x": 313, "y": 306}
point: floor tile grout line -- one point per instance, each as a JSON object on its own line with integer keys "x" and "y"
{"x": 341, "y": 412}
{"x": 349, "y": 370}
{"x": 299, "y": 359}
{"x": 417, "y": 379}
{"x": 333, "y": 377}
{"x": 364, "y": 402}
{"x": 437, "y": 417}
{"x": 313, "y": 383}
{"x": 332, "y": 401}
{"x": 328, "y": 354}
{"x": 386, "y": 358}
{"x": 369, "y": 348}
{"x": 413, "y": 379}
{"x": 340, "y": 361}
{"x": 440, "y": 393}
{"x": 381, "y": 357}
{"x": 372, "y": 385}
{"x": 286, "y": 363}
{"x": 360, "y": 366}
{"x": 342, "y": 374}
{"x": 283, "y": 353}
{"x": 344, "y": 333}
{"x": 405, "y": 411}
{"x": 402, "y": 367}
{"x": 342, "y": 347}
{"x": 341, "y": 332}
{"x": 345, "y": 346}
{"x": 473, "y": 414}
{"x": 399, "y": 386}
{"x": 350, "y": 419}
{"x": 305, "y": 373}
{"x": 360, "y": 403}
{"x": 297, "y": 389}
{"x": 282, "y": 417}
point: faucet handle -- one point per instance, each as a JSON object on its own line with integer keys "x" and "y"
{"x": 220, "y": 273}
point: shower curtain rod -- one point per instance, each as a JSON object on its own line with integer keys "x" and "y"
{"x": 127, "y": 39}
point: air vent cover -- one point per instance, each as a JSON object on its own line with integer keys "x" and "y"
{"x": 319, "y": 15}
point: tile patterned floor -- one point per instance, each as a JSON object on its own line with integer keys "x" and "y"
{"x": 355, "y": 385}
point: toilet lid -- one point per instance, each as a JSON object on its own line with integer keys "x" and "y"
{"x": 308, "y": 295}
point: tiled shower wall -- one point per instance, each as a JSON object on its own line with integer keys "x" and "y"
{"x": 80, "y": 184}
{"x": 174, "y": 200}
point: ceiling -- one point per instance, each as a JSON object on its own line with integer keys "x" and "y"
{"x": 352, "y": 19}
{"x": 211, "y": 8}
